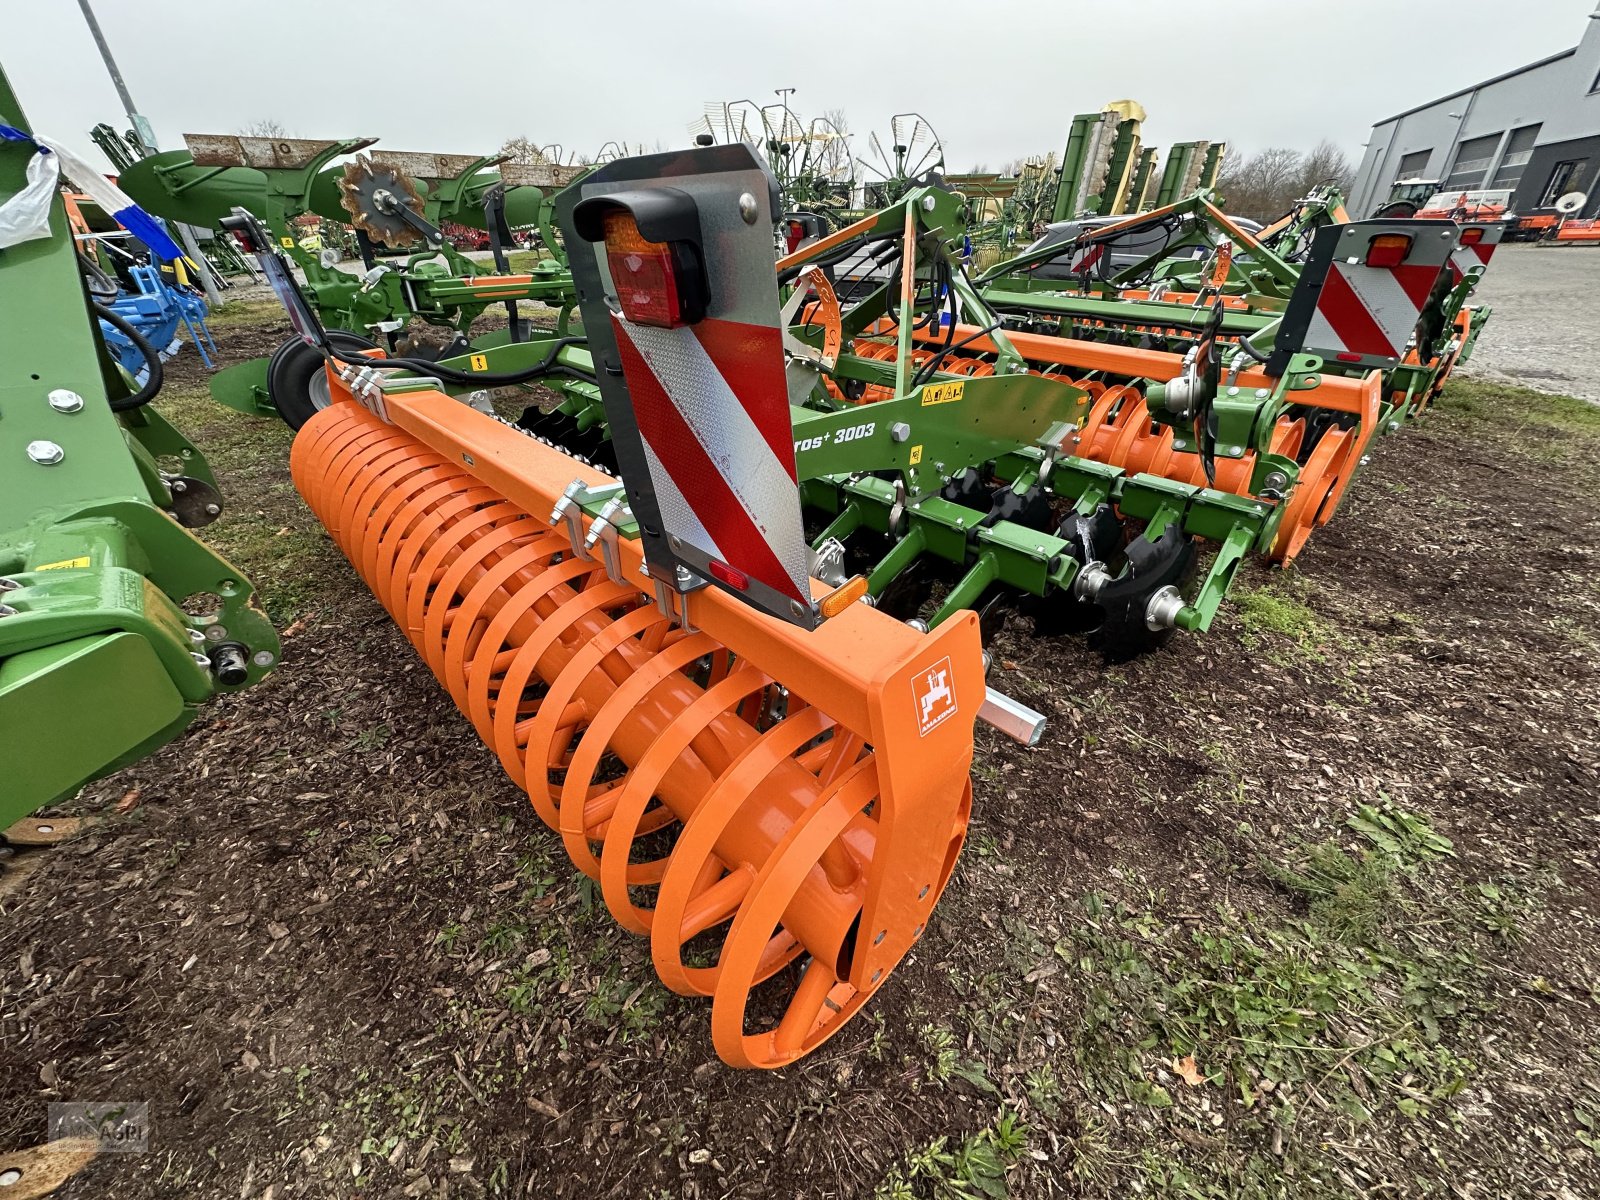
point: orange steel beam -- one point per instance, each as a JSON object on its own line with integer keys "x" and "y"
{"x": 1334, "y": 392}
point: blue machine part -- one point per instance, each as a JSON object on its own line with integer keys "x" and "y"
{"x": 157, "y": 310}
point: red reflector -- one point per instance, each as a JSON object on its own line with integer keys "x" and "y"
{"x": 1347, "y": 357}
{"x": 642, "y": 270}
{"x": 795, "y": 235}
{"x": 732, "y": 576}
{"x": 1471, "y": 237}
{"x": 1388, "y": 250}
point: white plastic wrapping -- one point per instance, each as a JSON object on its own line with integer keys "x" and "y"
{"x": 27, "y": 214}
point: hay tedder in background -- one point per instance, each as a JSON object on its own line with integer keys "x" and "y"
{"x": 397, "y": 203}
{"x": 116, "y": 623}
{"x": 766, "y": 774}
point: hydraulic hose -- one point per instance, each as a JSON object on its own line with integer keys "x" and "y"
{"x": 545, "y": 366}
{"x": 154, "y": 375}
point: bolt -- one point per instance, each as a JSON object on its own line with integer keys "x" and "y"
{"x": 229, "y": 666}
{"x": 215, "y": 633}
{"x": 1233, "y": 391}
{"x": 179, "y": 486}
{"x": 899, "y": 431}
{"x": 64, "y": 401}
{"x": 1235, "y": 450}
{"x": 201, "y": 661}
{"x": 213, "y": 510}
{"x": 747, "y": 208}
{"x": 1262, "y": 393}
{"x": 927, "y": 204}
{"x": 46, "y": 454}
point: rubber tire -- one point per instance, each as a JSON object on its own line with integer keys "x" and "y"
{"x": 292, "y": 372}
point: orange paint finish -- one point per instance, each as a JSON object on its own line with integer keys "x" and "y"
{"x": 818, "y": 821}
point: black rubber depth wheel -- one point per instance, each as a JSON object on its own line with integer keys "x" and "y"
{"x": 296, "y": 381}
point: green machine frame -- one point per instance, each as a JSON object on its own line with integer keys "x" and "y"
{"x": 116, "y": 623}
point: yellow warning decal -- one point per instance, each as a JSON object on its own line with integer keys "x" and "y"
{"x": 943, "y": 393}
{"x": 480, "y": 362}
{"x": 64, "y": 564}
{"x": 287, "y": 243}
{"x": 916, "y": 455}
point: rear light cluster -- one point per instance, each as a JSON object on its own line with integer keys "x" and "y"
{"x": 1388, "y": 250}
{"x": 1471, "y": 237}
{"x": 658, "y": 283}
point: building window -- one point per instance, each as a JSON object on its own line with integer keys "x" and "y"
{"x": 1519, "y": 149}
{"x": 1415, "y": 163}
{"x": 1473, "y": 157}
{"x": 1563, "y": 179}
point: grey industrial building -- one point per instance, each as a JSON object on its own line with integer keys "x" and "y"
{"x": 1535, "y": 130}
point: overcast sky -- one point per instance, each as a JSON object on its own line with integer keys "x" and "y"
{"x": 998, "y": 79}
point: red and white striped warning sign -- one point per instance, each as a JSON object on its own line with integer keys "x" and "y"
{"x": 1379, "y": 277}
{"x": 713, "y": 413}
{"x": 1475, "y": 249}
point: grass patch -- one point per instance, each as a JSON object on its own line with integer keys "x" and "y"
{"x": 1274, "y": 618}
{"x": 975, "y": 1168}
{"x": 1504, "y": 405}
{"x": 237, "y": 314}
{"x": 1295, "y": 1032}
{"x": 521, "y": 262}
{"x": 1556, "y": 431}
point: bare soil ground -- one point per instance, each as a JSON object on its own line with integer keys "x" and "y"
{"x": 1304, "y": 907}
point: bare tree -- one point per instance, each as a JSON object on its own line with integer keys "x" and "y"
{"x": 1326, "y": 163}
{"x": 834, "y": 161}
{"x": 522, "y": 149}
{"x": 267, "y": 127}
{"x": 1263, "y": 185}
